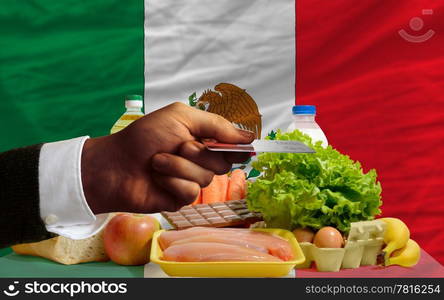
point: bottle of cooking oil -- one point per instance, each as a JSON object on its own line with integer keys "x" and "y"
{"x": 133, "y": 104}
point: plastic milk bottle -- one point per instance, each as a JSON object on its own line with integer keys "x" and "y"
{"x": 304, "y": 121}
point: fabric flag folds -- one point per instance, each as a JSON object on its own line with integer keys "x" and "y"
{"x": 65, "y": 67}
{"x": 191, "y": 46}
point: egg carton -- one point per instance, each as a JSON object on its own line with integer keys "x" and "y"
{"x": 361, "y": 248}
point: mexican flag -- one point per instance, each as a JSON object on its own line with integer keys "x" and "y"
{"x": 65, "y": 66}
{"x": 373, "y": 68}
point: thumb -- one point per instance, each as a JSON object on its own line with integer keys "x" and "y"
{"x": 203, "y": 124}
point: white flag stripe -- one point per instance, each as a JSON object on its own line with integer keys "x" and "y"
{"x": 193, "y": 45}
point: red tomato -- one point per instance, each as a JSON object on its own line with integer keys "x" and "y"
{"x": 127, "y": 238}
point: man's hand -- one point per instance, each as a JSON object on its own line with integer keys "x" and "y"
{"x": 157, "y": 163}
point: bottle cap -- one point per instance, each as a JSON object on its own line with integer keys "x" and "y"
{"x": 135, "y": 101}
{"x": 304, "y": 110}
{"x": 133, "y": 97}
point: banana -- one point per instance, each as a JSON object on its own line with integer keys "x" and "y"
{"x": 395, "y": 237}
{"x": 407, "y": 256}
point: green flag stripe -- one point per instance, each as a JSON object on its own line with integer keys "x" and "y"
{"x": 65, "y": 67}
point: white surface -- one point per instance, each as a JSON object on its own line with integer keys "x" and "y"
{"x": 192, "y": 45}
{"x": 62, "y": 203}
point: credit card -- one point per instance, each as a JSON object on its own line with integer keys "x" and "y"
{"x": 260, "y": 146}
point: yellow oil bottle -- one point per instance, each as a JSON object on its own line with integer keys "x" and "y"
{"x": 133, "y": 104}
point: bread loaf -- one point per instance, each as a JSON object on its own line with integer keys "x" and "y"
{"x": 67, "y": 251}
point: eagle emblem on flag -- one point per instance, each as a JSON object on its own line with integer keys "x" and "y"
{"x": 234, "y": 104}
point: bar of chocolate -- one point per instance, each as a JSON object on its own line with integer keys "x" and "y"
{"x": 222, "y": 214}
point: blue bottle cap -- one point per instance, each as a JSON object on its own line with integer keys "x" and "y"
{"x": 304, "y": 110}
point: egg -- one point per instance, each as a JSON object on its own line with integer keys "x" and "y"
{"x": 328, "y": 237}
{"x": 303, "y": 235}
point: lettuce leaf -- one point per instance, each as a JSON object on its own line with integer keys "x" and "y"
{"x": 313, "y": 190}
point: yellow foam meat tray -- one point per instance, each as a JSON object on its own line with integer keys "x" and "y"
{"x": 230, "y": 268}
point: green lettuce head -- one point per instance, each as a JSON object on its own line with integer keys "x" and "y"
{"x": 313, "y": 190}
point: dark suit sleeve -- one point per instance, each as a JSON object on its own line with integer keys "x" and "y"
{"x": 20, "y": 220}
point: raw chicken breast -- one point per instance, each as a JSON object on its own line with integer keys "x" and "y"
{"x": 259, "y": 241}
{"x": 168, "y": 237}
{"x": 212, "y": 238}
{"x": 199, "y": 252}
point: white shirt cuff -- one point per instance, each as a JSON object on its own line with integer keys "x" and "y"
{"x": 63, "y": 206}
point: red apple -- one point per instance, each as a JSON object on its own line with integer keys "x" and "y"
{"x": 127, "y": 238}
